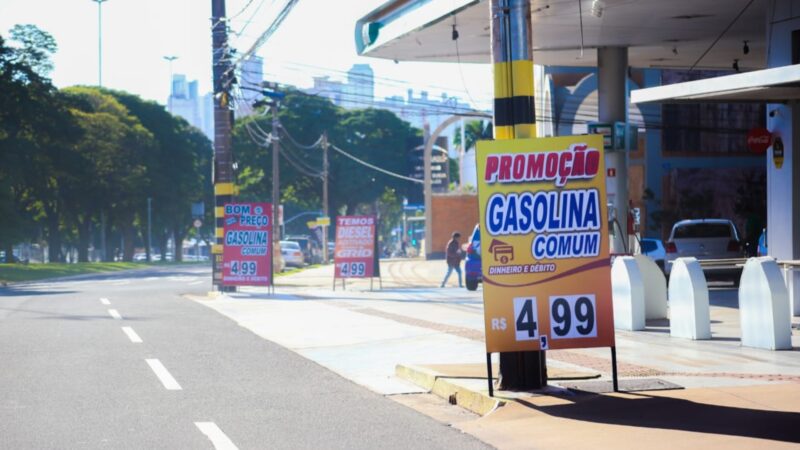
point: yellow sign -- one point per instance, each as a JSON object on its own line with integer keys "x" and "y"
{"x": 312, "y": 224}
{"x": 544, "y": 244}
{"x": 324, "y": 221}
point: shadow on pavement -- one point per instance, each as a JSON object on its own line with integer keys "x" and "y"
{"x": 16, "y": 292}
{"x": 678, "y": 414}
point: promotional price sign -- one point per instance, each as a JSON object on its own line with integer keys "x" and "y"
{"x": 354, "y": 253}
{"x": 544, "y": 227}
{"x": 246, "y": 254}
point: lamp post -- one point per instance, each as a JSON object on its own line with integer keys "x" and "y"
{"x": 170, "y": 59}
{"x": 99, "y": 41}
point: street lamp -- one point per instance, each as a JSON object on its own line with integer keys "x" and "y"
{"x": 169, "y": 59}
{"x": 99, "y": 41}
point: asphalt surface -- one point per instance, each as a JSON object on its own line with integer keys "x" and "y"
{"x": 71, "y": 377}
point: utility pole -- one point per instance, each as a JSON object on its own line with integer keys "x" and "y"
{"x": 149, "y": 229}
{"x": 223, "y": 118}
{"x": 515, "y": 118}
{"x": 276, "y": 173}
{"x": 100, "y": 84}
{"x": 325, "y": 195}
{"x": 99, "y": 41}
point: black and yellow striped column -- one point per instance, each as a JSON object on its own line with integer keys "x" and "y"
{"x": 515, "y": 118}
{"x": 223, "y": 193}
{"x": 512, "y": 55}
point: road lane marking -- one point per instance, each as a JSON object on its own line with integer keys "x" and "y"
{"x": 132, "y": 335}
{"x": 115, "y": 314}
{"x": 163, "y": 375}
{"x": 217, "y": 437}
{"x": 192, "y": 283}
{"x": 105, "y": 301}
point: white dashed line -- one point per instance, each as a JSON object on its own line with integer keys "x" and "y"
{"x": 132, "y": 335}
{"x": 163, "y": 375}
{"x": 115, "y": 314}
{"x": 105, "y": 301}
{"x": 217, "y": 437}
{"x": 192, "y": 283}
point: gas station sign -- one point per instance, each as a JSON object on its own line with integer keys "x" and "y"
{"x": 354, "y": 251}
{"x": 544, "y": 227}
{"x": 246, "y": 255}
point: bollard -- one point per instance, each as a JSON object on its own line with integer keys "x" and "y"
{"x": 655, "y": 288}
{"x": 627, "y": 293}
{"x": 688, "y": 301}
{"x": 764, "y": 306}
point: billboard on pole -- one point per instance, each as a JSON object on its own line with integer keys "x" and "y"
{"x": 354, "y": 252}
{"x": 544, "y": 232}
{"x": 247, "y": 254}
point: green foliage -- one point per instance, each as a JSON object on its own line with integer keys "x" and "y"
{"x": 69, "y": 157}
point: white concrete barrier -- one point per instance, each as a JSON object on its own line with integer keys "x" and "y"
{"x": 688, "y": 300}
{"x": 791, "y": 275}
{"x": 764, "y": 306}
{"x": 655, "y": 288}
{"x": 627, "y": 292}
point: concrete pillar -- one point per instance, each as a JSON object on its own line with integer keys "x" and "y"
{"x": 783, "y": 183}
{"x": 612, "y": 105}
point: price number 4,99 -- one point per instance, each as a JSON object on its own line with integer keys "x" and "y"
{"x": 243, "y": 267}
{"x": 526, "y": 319}
{"x": 572, "y": 316}
{"x": 353, "y": 269}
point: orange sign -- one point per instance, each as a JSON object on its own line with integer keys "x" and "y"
{"x": 546, "y": 272}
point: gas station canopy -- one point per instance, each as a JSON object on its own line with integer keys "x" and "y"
{"x": 658, "y": 33}
{"x": 778, "y": 85}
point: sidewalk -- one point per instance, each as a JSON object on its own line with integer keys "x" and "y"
{"x": 726, "y": 394}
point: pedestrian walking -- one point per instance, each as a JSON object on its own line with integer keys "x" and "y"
{"x": 453, "y": 256}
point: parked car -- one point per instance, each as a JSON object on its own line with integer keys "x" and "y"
{"x": 292, "y": 254}
{"x": 312, "y": 254}
{"x": 472, "y": 267}
{"x": 705, "y": 239}
{"x": 654, "y": 248}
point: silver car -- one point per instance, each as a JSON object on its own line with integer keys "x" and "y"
{"x": 704, "y": 239}
{"x": 292, "y": 254}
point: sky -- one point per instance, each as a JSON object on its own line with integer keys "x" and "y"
{"x": 316, "y": 39}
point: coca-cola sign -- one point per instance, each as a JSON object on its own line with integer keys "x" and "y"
{"x": 759, "y": 140}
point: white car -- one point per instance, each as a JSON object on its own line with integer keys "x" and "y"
{"x": 704, "y": 239}
{"x": 292, "y": 254}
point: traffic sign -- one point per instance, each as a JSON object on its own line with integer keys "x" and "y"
{"x": 197, "y": 223}
{"x": 323, "y": 221}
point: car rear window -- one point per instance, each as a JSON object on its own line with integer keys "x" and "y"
{"x": 703, "y": 230}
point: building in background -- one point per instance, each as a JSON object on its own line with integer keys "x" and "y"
{"x": 184, "y": 101}
{"x": 251, "y": 78}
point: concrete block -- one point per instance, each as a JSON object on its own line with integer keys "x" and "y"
{"x": 627, "y": 292}
{"x": 791, "y": 275}
{"x": 688, "y": 301}
{"x": 764, "y": 306}
{"x": 655, "y": 288}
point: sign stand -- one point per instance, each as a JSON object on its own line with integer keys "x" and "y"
{"x": 614, "y": 375}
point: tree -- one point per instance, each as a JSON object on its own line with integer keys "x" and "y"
{"x": 178, "y": 168}
{"x": 35, "y": 134}
{"x": 114, "y": 150}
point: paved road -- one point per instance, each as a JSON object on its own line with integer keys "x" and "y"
{"x": 125, "y": 361}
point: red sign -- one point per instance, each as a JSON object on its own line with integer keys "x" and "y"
{"x": 759, "y": 140}
{"x": 354, "y": 254}
{"x": 246, "y": 254}
{"x": 611, "y": 172}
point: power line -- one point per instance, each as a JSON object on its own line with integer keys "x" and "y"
{"x": 373, "y": 167}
